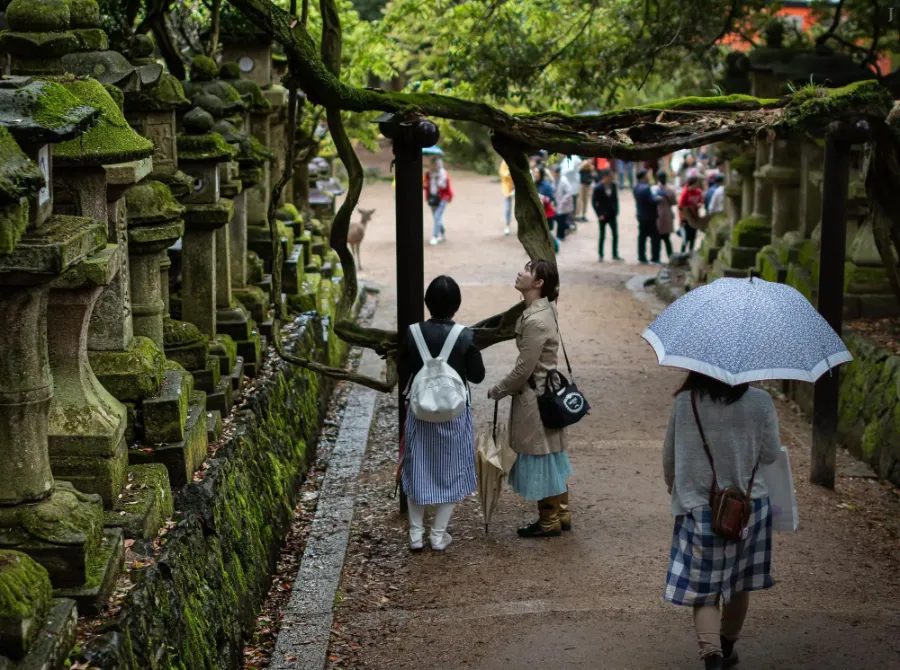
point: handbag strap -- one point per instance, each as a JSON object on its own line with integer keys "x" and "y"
{"x": 715, "y": 482}
{"x": 563, "y": 344}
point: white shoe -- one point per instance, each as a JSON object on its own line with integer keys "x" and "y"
{"x": 415, "y": 540}
{"x": 434, "y": 241}
{"x": 442, "y": 239}
{"x": 443, "y": 543}
{"x": 507, "y": 232}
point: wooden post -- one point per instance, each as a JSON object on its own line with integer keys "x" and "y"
{"x": 835, "y": 186}
{"x": 408, "y": 139}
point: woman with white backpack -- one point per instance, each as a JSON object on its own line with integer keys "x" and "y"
{"x": 439, "y": 456}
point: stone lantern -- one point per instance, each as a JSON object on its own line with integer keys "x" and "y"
{"x": 58, "y": 526}
{"x": 91, "y": 177}
{"x": 201, "y": 154}
{"x": 763, "y": 59}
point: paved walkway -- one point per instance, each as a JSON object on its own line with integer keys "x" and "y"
{"x": 592, "y": 599}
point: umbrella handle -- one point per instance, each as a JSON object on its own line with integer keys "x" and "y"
{"x": 494, "y": 429}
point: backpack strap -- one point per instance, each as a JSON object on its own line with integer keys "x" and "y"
{"x": 450, "y": 342}
{"x": 416, "y": 330}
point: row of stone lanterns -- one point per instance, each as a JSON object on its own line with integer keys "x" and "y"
{"x": 134, "y": 282}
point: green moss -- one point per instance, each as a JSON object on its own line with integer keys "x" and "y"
{"x": 203, "y": 68}
{"x": 180, "y": 333}
{"x": 167, "y": 94}
{"x": 19, "y": 177}
{"x": 230, "y": 70}
{"x": 116, "y": 94}
{"x": 252, "y": 94}
{"x": 743, "y": 165}
{"x": 111, "y": 141}
{"x": 130, "y": 375}
{"x": 151, "y": 202}
{"x": 25, "y": 590}
{"x": 210, "y": 146}
{"x": 84, "y": 13}
{"x": 752, "y": 232}
{"x": 38, "y": 15}
{"x": 813, "y": 109}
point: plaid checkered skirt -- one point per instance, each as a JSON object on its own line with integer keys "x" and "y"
{"x": 704, "y": 567}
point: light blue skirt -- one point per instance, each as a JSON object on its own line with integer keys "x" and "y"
{"x": 538, "y": 477}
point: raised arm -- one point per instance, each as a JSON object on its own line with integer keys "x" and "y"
{"x": 534, "y": 335}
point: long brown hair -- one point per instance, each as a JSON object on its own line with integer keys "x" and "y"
{"x": 716, "y": 390}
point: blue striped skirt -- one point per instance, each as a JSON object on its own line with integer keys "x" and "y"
{"x": 439, "y": 461}
{"x": 539, "y": 477}
{"x": 704, "y": 567}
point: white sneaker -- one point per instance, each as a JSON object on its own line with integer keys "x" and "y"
{"x": 507, "y": 232}
{"x": 434, "y": 241}
{"x": 443, "y": 543}
{"x": 442, "y": 238}
{"x": 415, "y": 540}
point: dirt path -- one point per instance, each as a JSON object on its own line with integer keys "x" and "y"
{"x": 593, "y": 598}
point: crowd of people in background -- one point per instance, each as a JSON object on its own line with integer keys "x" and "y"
{"x": 675, "y": 196}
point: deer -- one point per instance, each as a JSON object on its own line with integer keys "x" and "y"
{"x": 357, "y": 232}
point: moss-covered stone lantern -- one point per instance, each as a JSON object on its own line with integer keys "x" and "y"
{"x": 68, "y": 415}
{"x": 201, "y": 153}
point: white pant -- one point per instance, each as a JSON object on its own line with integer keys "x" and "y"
{"x": 442, "y": 514}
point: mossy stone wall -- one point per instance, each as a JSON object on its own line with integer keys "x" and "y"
{"x": 197, "y": 604}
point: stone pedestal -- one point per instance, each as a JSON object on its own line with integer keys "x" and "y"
{"x": 86, "y": 425}
{"x": 25, "y": 397}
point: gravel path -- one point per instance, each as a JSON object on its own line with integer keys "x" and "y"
{"x": 593, "y": 598}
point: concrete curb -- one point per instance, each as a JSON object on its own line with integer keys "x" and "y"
{"x": 305, "y": 634}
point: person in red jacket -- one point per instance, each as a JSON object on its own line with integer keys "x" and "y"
{"x": 438, "y": 194}
{"x": 689, "y": 208}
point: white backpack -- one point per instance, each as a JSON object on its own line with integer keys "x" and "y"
{"x": 437, "y": 393}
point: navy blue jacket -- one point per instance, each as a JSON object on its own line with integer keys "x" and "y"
{"x": 645, "y": 202}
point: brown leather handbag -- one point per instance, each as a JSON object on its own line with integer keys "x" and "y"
{"x": 731, "y": 507}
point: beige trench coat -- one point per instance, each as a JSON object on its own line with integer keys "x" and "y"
{"x": 537, "y": 338}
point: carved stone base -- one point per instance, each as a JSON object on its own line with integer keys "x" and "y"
{"x": 53, "y": 642}
{"x": 183, "y": 458}
{"x": 93, "y": 596}
{"x": 145, "y": 504}
{"x": 62, "y": 532}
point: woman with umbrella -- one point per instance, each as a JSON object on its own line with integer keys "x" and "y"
{"x": 728, "y": 334}
{"x": 439, "y": 458}
{"x": 542, "y": 466}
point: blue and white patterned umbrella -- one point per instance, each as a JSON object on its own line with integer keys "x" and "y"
{"x": 746, "y": 330}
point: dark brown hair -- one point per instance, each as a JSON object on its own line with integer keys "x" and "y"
{"x": 716, "y": 390}
{"x": 546, "y": 271}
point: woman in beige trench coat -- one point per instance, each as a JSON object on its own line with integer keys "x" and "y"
{"x": 542, "y": 467}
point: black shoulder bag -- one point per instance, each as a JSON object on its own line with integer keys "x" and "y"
{"x": 561, "y": 404}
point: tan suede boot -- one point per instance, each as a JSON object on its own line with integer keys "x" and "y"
{"x": 548, "y": 524}
{"x": 565, "y": 517}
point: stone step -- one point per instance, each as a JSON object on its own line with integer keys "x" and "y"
{"x": 213, "y": 425}
{"x": 165, "y": 415}
{"x": 92, "y": 598}
{"x": 237, "y": 374}
{"x": 222, "y": 398}
{"x": 180, "y": 458}
{"x": 53, "y": 642}
{"x": 144, "y": 504}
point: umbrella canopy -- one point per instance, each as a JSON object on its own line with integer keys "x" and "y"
{"x": 746, "y": 330}
{"x": 433, "y": 151}
{"x": 493, "y": 459}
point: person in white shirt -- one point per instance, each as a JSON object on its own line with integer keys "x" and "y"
{"x": 717, "y": 199}
{"x": 564, "y": 195}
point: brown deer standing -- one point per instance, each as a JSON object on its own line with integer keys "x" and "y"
{"x": 357, "y": 232}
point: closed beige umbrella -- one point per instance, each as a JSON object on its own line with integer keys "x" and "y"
{"x": 493, "y": 460}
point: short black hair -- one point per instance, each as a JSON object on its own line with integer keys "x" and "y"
{"x": 661, "y": 176}
{"x": 641, "y": 173}
{"x": 720, "y": 179}
{"x": 547, "y": 272}
{"x": 443, "y": 297}
{"x": 718, "y": 391}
